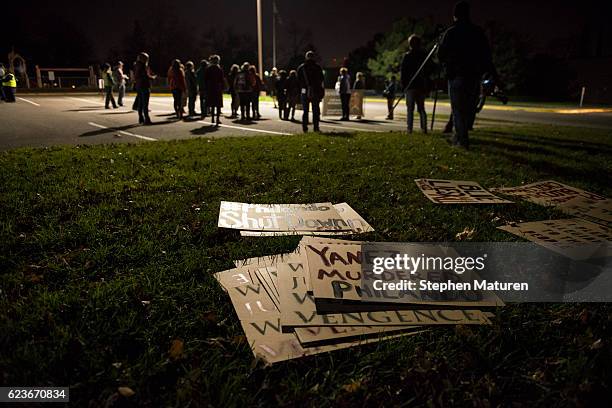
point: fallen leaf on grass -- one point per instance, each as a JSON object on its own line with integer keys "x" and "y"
{"x": 126, "y": 392}
{"x": 465, "y": 235}
{"x": 176, "y": 349}
{"x": 597, "y": 345}
{"x": 353, "y": 386}
{"x": 210, "y": 316}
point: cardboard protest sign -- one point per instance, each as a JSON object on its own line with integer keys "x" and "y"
{"x": 250, "y": 302}
{"x": 574, "y": 237}
{"x": 298, "y": 308}
{"x": 313, "y": 335}
{"x": 457, "y": 192}
{"x": 337, "y": 275}
{"x": 355, "y": 222}
{"x": 281, "y": 217}
{"x": 548, "y": 193}
{"x": 599, "y": 211}
{"x": 234, "y": 277}
{"x": 264, "y": 279}
{"x": 261, "y": 261}
{"x": 269, "y": 343}
{"x": 356, "y": 103}
{"x": 332, "y": 106}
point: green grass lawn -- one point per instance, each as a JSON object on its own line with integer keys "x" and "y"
{"x": 107, "y": 255}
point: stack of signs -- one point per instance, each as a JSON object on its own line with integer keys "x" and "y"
{"x": 291, "y": 219}
{"x": 457, "y": 192}
{"x": 316, "y": 300}
{"x": 570, "y": 200}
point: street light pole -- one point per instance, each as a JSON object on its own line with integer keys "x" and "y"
{"x": 259, "y": 39}
{"x": 274, "y": 11}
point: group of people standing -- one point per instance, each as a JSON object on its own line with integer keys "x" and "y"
{"x": 465, "y": 56}
{"x": 463, "y": 52}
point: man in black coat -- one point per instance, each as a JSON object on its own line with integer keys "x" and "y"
{"x": 465, "y": 53}
{"x": 310, "y": 77}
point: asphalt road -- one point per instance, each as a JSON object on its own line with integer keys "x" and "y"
{"x": 37, "y": 121}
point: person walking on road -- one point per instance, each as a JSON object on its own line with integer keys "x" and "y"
{"x": 142, "y": 84}
{"x": 109, "y": 83}
{"x": 293, "y": 94}
{"x": 120, "y": 81}
{"x": 310, "y": 77}
{"x": 343, "y": 87}
{"x": 389, "y": 94}
{"x": 466, "y": 56}
{"x": 178, "y": 86}
{"x": 416, "y": 91}
{"x": 192, "y": 87}
{"x": 215, "y": 85}
{"x": 281, "y": 94}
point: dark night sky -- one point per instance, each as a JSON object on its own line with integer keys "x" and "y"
{"x": 338, "y": 26}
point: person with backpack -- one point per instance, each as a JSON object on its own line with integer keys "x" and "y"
{"x": 244, "y": 88}
{"x": 310, "y": 77}
{"x": 109, "y": 83}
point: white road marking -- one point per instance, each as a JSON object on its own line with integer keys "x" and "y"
{"x": 248, "y": 129}
{"x": 123, "y": 132}
{"x": 85, "y": 100}
{"x": 28, "y": 101}
{"x": 350, "y": 128}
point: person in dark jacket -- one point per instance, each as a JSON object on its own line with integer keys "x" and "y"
{"x": 257, "y": 86}
{"x": 293, "y": 94}
{"x": 142, "y": 84}
{"x": 281, "y": 94}
{"x": 415, "y": 89}
{"x": 201, "y": 81}
{"x": 192, "y": 87}
{"x": 312, "y": 90}
{"x": 344, "y": 90}
{"x": 465, "y": 54}
{"x": 243, "y": 84}
{"x": 271, "y": 85}
{"x": 215, "y": 85}
{"x": 109, "y": 83}
{"x": 232, "y": 90}
{"x": 389, "y": 94}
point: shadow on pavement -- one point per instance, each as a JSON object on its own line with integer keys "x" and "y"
{"x": 204, "y": 130}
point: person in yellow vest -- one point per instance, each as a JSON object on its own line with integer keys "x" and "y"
{"x": 9, "y": 86}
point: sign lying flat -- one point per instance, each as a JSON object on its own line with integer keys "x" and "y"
{"x": 457, "y": 192}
